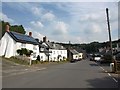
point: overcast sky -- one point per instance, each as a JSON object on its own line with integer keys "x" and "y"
{"x": 78, "y": 22}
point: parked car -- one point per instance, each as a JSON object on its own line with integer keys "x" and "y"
{"x": 73, "y": 60}
{"x": 91, "y": 57}
{"x": 97, "y": 58}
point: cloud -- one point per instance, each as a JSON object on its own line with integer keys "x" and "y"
{"x": 35, "y": 34}
{"x": 6, "y": 18}
{"x": 38, "y": 35}
{"x": 73, "y": 21}
{"x": 37, "y": 11}
{"x": 37, "y": 24}
{"x": 60, "y": 28}
{"x": 48, "y": 16}
{"x": 60, "y": 1}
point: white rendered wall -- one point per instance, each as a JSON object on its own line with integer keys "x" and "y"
{"x": 55, "y": 53}
{"x": 7, "y": 46}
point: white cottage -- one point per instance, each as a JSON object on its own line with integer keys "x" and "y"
{"x": 12, "y": 41}
{"x": 55, "y": 52}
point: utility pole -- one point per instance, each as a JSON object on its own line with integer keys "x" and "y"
{"x": 113, "y": 60}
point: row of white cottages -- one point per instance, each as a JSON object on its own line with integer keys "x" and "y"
{"x": 12, "y": 41}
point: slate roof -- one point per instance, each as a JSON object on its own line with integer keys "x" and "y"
{"x": 53, "y": 45}
{"x": 22, "y": 38}
{"x": 73, "y": 51}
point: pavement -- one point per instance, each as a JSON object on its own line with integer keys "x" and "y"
{"x": 82, "y": 74}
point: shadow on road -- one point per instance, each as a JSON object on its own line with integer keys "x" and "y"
{"x": 105, "y": 82}
{"x": 93, "y": 64}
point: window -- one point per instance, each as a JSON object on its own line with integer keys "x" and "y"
{"x": 41, "y": 57}
{"x": 61, "y": 52}
{"x": 34, "y": 55}
{"x": 79, "y": 55}
{"x": 34, "y": 47}
{"x": 53, "y": 52}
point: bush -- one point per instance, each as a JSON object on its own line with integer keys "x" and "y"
{"x": 35, "y": 62}
{"x": 19, "y": 51}
{"x": 24, "y": 51}
{"x": 107, "y": 58}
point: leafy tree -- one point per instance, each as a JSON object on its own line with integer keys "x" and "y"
{"x": 3, "y": 24}
{"x": 18, "y": 28}
{"x": 15, "y": 28}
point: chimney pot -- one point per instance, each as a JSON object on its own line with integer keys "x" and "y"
{"x": 30, "y": 34}
{"x": 44, "y": 39}
{"x": 7, "y": 28}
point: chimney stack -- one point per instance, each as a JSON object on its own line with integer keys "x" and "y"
{"x": 44, "y": 39}
{"x": 7, "y": 28}
{"x": 30, "y": 34}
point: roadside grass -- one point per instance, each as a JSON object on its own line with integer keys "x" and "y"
{"x": 34, "y": 62}
{"x": 17, "y": 61}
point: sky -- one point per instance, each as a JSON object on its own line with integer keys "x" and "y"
{"x": 77, "y": 22}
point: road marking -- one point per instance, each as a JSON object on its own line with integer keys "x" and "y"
{"x": 109, "y": 74}
{"x": 115, "y": 80}
{"x": 41, "y": 69}
{"x": 112, "y": 77}
{"x": 106, "y": 71}
{"x": 102, "y": 68}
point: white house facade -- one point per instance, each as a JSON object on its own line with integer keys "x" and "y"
{"x": 53, "y": 52}
{"x": 12, "y": 41}
{"x": 58, "y": 55}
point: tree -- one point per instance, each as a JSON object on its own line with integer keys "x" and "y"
{"x": 18, "y": 28}
{"x": 15, "y": 28}
{"x": 3, "y": 24}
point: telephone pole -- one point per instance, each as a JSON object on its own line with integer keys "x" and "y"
{"x": 108, "y": 23}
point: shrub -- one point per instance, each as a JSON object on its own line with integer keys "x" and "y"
{"x": 107, "y": 58}
{"x": 24, "y": 51}
{"x": 19, "y": 51}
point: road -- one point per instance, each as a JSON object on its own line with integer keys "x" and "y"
{"x": 82, "y": 74}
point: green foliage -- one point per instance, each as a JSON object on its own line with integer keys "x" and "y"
{"x": 18, "y": 61}
{"x": 4, "y": 26}
{"x": 24, "y": 51}
{"x": 15, "y": 28}
{"x": 19, "y": 51}
{"x": 107, "y": 57}
{"x": 35, "y": 62}
{"x": 18, "y": 28}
